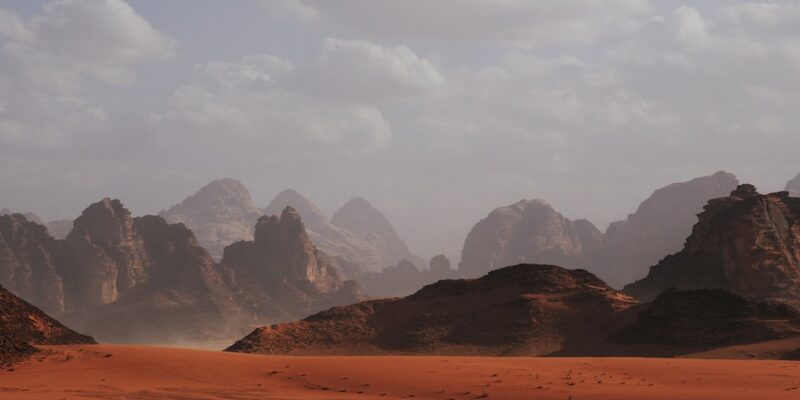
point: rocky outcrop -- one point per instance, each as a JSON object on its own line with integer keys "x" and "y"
{"x": 529, "y": 231}
{"x": 107, "y": 256}
{"x": 441, "y": 268}
{"x": 708, "y": 318}
{"x": 793, "y": 186}
{"x": 747, "y": 243}
{"x": 523, "y": 309}
{"x": 22, "y": 326}
{"x": 330, "y": 239}
{"x": 183, "y": 296}
{"x": 659, "y": 227}
{"x": 31, "y": 262}
{"x": 360, "y": 217}
{"x": 281, "y": 275}
{"x": 219, "y": 214}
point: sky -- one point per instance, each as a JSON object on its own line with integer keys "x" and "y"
{"x": 436, "y": 112}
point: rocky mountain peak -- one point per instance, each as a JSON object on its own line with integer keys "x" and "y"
{"x": 748, "y": 243}
{"x": 220, "y": 213}
{"x": 309, "y": 211}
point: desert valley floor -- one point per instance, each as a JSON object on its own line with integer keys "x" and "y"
{"x": 145, "y": 373}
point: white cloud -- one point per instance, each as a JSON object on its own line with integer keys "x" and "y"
{"x": 245, "y": 104}
{"x": 521, "y": 23}
{"x": 360, "y": 71}
{"x": 55, "y": 65}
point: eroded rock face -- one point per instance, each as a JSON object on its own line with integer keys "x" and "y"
{"x": 31, "y": 262}
{"x": 281, "y": 275}
{"x": 360, "y": 217}
{"x": 22, "y": 326}
{"x": 747, "y": 243}
{"x": 659, "y": 227}
{"x": 708, "y": 318}
{"x": 528, "y": 231}
{"x": 107, "y": 256}
{"x": 219, "y": 214}
{"x": 793, "y": 186}
{"x": 523, "y": 309}
{"x": 329, "y": 238}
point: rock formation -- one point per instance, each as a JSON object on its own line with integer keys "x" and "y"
{"x": 708, "y": 318}
{"x": 31, "y": 262}
{"x": 523, "y": 309}
{"x": 659, "y": 227}
{"x": 360, "y": 217}
{"x": 747, "y": 243}
{"x": 330, "y": 239}
{"x": 405, "y": 278}
{"x": 793, "y": 186}
{"x": 441, "y": 268}
{"x": 280, "y": 273}
{"x": 22, "y": 326}
{"x": 59, "y": 228}
{"x": 219, "y": 214}
{"x": 528, "y": 231}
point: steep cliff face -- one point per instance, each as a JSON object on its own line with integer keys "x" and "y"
{"x": 523, "y": 309}
{"x": 281, "y": 274}
{"x": 793, "y": 186}
{"x": 330, "y": 239}
{"x": 369, "y": 223}
{"x": 30, "y": 262}
{"x": 184, "y": 296}
{"x": 22, "y": 326}
{"x": 659, "y": 227}
{"x": 748, "y": 243}
{"x": 528, "y": 231}
{"x": 107, "y": 256}
{"x": 219, "y": 214}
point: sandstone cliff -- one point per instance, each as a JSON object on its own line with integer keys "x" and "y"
{"x": 31, "y": 262}
{"x": 330, "y": 239}
{"x": 529, "y": 231}
{"x": 219, "y": 214}
{"x": 748, "y": 243}
{"x": 659, "y": 227}
{"x": 280, "y": 275}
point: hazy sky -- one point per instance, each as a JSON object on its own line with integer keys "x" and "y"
{"x": 435, "y": 111}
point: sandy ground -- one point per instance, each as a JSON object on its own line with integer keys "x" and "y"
{"x": 144, "y": 373}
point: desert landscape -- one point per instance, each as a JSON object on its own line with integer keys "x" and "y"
{"x": 410, "y": 199}
{"x": 140, "y": 372}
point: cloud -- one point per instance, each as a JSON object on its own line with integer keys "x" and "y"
{"x": 56, "y": 66}
{"x": 520, "y": 23}
{"x": 360, "y": 71}
{"x": 246, "y": 104}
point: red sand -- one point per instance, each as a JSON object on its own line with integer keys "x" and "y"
{"x": 145, "y": 373}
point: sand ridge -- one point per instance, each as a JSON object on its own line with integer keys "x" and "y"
{"x": 145, "y": 373}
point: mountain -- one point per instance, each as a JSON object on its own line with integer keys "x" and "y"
{"x": 31, "y": 261}
{"x": 219, "y": 214}
{"x": 529, "y": 231}
{"x": 708, "y": 317}
{"x": 659, "y": 227}
{"x": 57, "y": 228}
{"x": 519, "y": 310}
{"x": 747, "y": 243}
{"x": 405, "y": 277}
{"x": 22, "y": 326}
{"x": 328, "y": 238}
{"x": 280, "y": 273}
{"x": 793, "y": 186}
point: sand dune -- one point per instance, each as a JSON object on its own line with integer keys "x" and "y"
{"x": 145, "y": 373}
